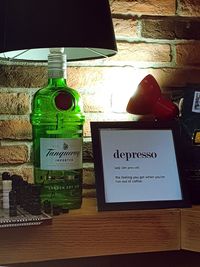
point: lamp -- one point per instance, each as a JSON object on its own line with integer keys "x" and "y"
{"x": 148, "y": 100}
{"x": 83, "y": 27}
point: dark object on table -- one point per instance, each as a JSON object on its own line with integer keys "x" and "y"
{"x": 190, "y": 122}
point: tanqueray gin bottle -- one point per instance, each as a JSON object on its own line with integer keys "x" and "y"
{"x": 57, "y": 122}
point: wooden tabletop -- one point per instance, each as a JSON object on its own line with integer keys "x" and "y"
{"x": 86, "y": 232}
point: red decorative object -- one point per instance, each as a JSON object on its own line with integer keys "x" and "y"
{"x": 148, "y": 100}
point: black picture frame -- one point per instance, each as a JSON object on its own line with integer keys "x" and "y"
{"x": 114, "y": 186}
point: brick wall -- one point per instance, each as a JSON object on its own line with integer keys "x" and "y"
{"x": 153, "y": 36}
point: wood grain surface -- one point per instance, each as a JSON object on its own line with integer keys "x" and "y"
{"x": 86, "y": 232}
{"x": 190, "y": 229}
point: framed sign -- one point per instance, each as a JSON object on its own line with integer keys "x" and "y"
{"x": 138, "y": 165}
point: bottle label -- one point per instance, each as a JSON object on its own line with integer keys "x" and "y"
{"x": 60, "y": 153}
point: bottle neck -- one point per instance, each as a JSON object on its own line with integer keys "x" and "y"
{"x": 57, "y": 69}
{"x": 57, "y": 82}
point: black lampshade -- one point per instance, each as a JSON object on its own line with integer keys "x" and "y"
{"x": 83, "y": 27}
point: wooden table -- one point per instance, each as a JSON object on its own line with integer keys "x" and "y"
{"x": 86, "y": 232}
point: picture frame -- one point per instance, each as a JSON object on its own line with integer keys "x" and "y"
{"x": 138, "y": 165}
{"x": 196, "y": 102}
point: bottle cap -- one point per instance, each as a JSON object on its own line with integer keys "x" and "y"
{"x": 16, "y": 179}
{"x": 5, "y": 176}
{"x": 55, "y": 50}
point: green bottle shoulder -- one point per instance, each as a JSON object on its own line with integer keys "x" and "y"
{"x": 50, "y": 90}
{"x": 44, "y": 103}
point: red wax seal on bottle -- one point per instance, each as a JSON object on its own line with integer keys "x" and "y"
{"x": 64, "y": 100}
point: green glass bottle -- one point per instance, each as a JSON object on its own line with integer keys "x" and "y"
{"x": 57, "y": 123}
